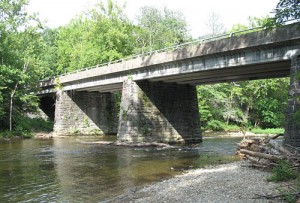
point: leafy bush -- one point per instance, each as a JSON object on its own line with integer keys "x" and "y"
{"x": 26, "y": 124}
{"x": 282, "y": 172}
{"x": 232, "y": 128}
{"x": 216, "y": 125}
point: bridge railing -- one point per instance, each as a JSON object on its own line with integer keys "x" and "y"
{"x": 174, "y": 47}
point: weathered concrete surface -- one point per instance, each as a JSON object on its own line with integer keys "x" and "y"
{"x": 157, "y": 112}
{"x": 292, "y": 128}
{"x": 85, "y": 113}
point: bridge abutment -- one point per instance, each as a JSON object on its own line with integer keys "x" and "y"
{"x": 85, "y": 113}
{"x": 158, "y": 112}
{"x": 292, "y": 127}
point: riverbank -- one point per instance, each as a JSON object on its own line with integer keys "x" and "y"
{"x": 48, "y": 135}
{"x": 234, "y": 182}
{"x": 233, "y": 134}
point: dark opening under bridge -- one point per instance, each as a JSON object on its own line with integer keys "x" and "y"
{"x": 159, "y": 101}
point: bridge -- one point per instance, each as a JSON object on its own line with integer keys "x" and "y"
{"x": 159, "y": 101}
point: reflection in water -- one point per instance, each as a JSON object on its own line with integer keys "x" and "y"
{"x": 66, "y": 170}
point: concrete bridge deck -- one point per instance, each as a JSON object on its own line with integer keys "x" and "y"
{"x": 257, "y": 55}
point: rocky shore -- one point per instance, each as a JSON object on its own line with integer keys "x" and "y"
{"x": 234, "y": 182}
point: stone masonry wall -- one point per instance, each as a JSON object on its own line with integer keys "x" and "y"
{"x": 158, "y": 112}
{"x": 85, "y": 113}
{"x": 292, "y": 128}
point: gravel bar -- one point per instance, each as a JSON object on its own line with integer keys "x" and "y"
{"x": 234, "y": 182}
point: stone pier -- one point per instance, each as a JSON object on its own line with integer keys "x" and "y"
{"x": 85, "y": 113}
{"x": 159, "y": 112}
{"x": 292, "y": 128}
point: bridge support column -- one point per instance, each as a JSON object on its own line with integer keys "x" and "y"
{"x": 292, "y": 128}
{"x": 85, "y": 113}
{"x": 159, "y": 112}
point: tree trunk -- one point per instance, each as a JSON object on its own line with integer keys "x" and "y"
{"x": 12, "y": 97}
{"x": 10, "y": 111}
{"x": 11, "y": 105}
{"x": 260, "y": 155}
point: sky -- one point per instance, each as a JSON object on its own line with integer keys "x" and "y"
{"x": 196, "y": 12}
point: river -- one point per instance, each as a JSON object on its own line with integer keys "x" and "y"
{"x": 70, "y": 170}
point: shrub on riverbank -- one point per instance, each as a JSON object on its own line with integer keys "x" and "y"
{"x": 216, "y": 125}
{"x": 25, "y": 126}
{"x": 285, "y": 172}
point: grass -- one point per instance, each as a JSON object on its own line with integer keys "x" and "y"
{"x": 232, "y": 128}
{"x": 268, "y": 131}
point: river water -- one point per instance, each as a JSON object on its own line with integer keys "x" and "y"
{"x": 70, "y": 170}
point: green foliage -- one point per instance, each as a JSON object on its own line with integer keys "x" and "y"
{"x": 159, "y": 29}
{"x": 216, "y": 125}
{"x": 253, "y": 22}
{"x": 282, "y": 172}
{"x": 232, "y": 128}
{"x": 100, "y": 35}
{"x": 290, "y": 194}
{"x": 251, "y": 103}
{"x": 26, "y": 126}
{"x": 268, "y": 131}
{"x": 35, "y": 124}
{"x": 287, "y": 10}
{"x": 58, "y": 85}
{"x": 20, "y": 60}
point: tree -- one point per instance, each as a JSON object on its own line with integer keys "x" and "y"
{"x": 100, "y": 35}
{"x": 49, "y": 55}
{"x": 158, "y": 29}
{"x": 287, "y": 10}
{"x": 214, "y": 24}
{"x": 19, "y": 60}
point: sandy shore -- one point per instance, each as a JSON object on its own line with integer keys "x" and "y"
{"x": 234, "y": 182}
